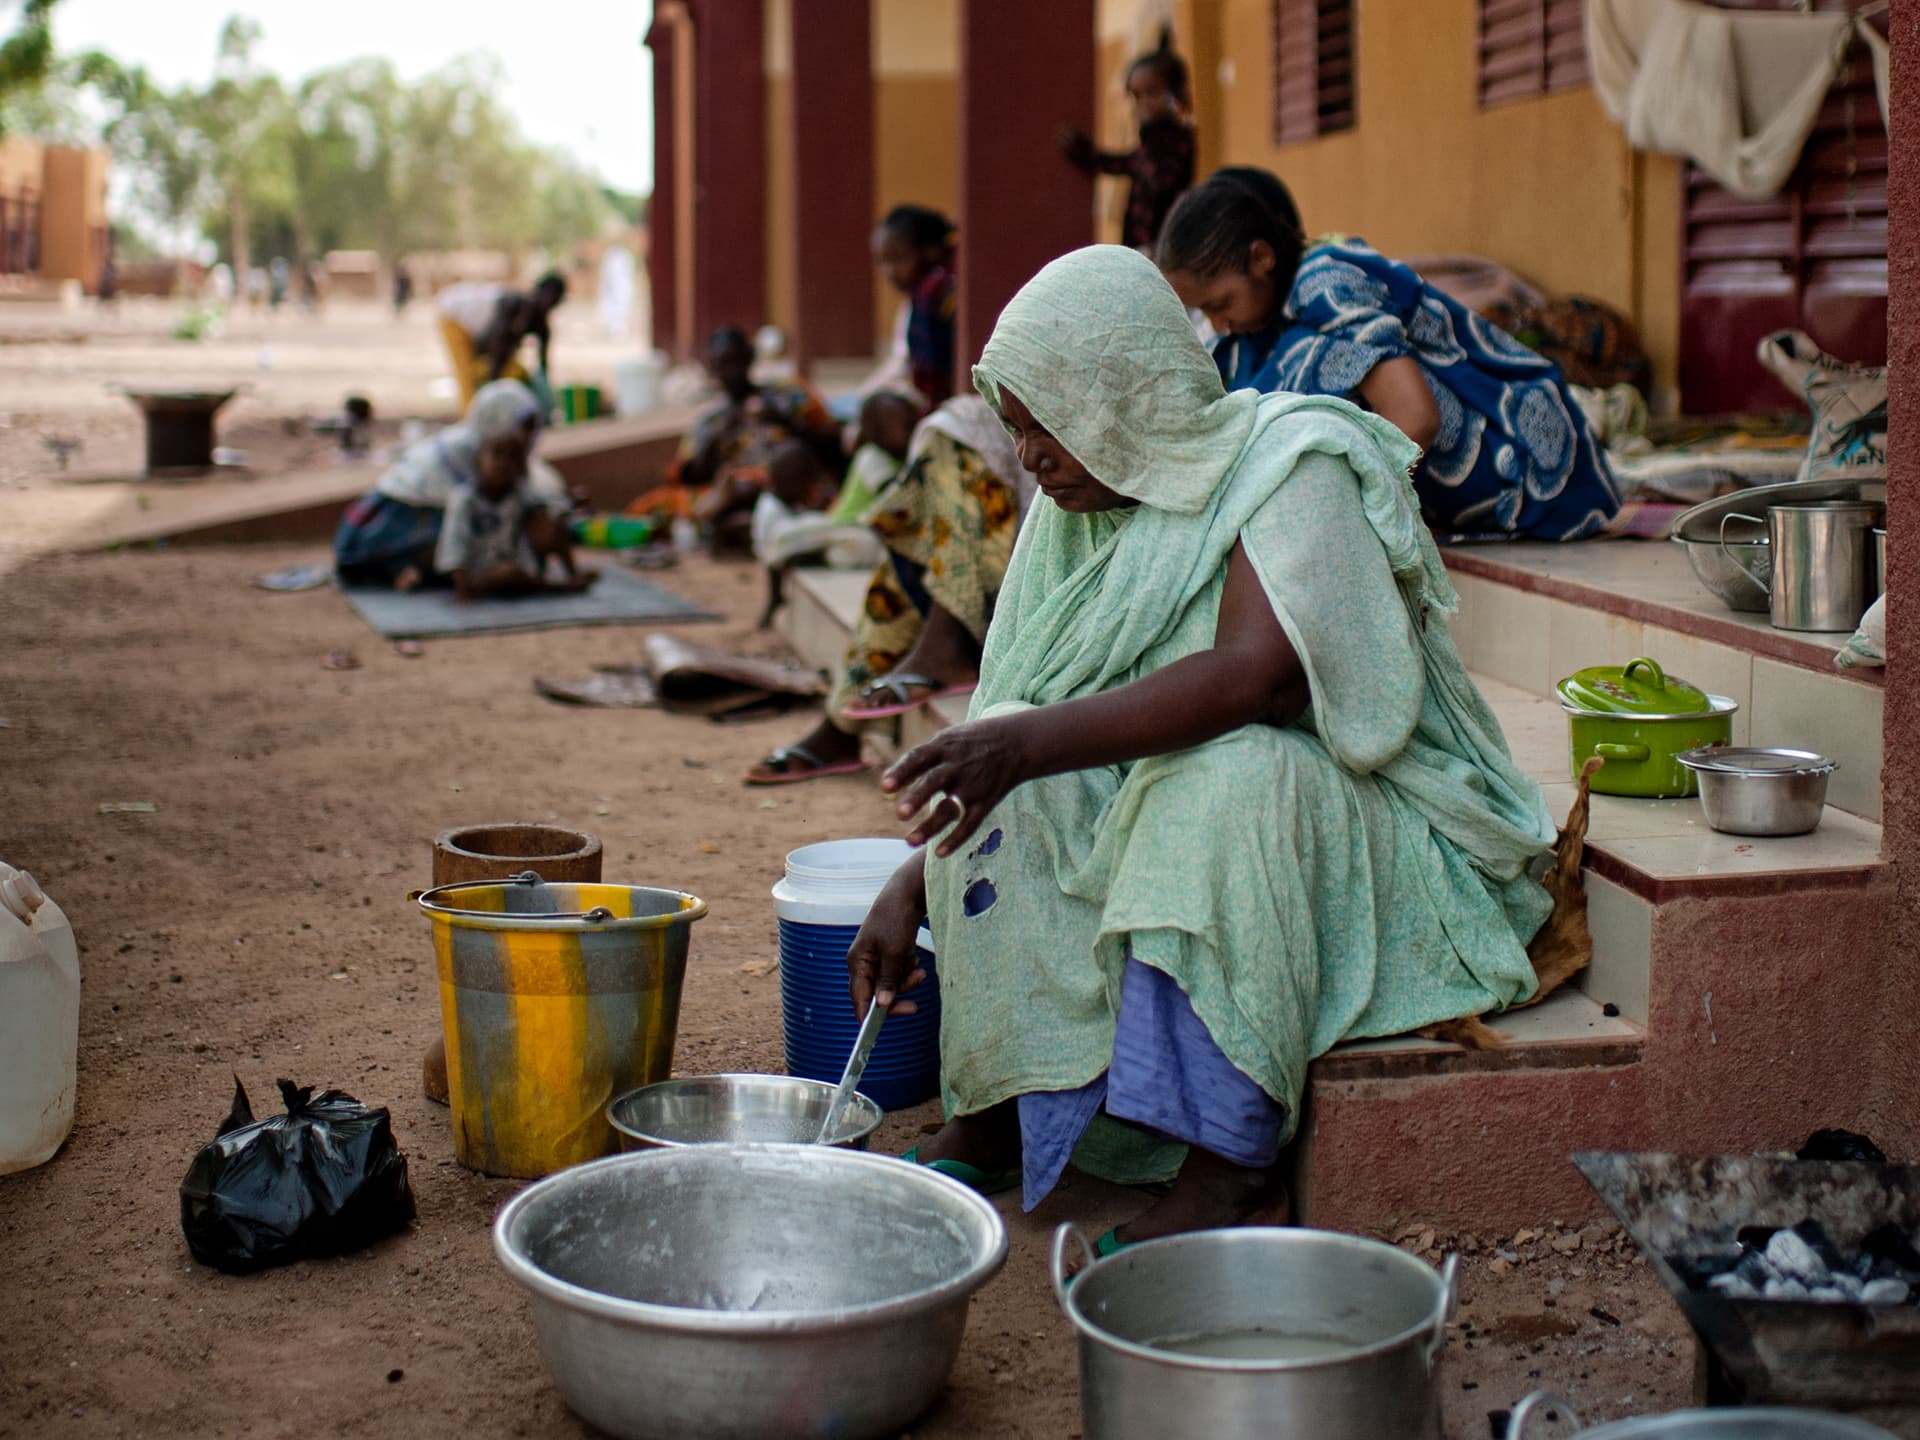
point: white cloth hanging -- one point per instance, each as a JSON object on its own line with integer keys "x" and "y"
{"x": 1735, "y": 92}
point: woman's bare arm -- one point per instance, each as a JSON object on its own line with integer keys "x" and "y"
{"x": 1251, "y": 676}
{"x": 1397, "y": 391}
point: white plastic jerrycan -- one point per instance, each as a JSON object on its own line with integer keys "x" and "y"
{"x": 39, "y": 1022}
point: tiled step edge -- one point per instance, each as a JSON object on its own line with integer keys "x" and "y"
{"x": 1785, "y": 646}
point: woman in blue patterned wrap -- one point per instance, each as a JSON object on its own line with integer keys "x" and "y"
{"x": 1506, "y": 452}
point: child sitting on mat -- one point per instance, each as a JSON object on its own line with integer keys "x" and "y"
{"x": 497, "y": 537}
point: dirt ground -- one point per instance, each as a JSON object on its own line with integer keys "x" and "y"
{"x": 257, "y": 923}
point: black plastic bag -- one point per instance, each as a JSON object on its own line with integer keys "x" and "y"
{"x": 322, "y": 1179}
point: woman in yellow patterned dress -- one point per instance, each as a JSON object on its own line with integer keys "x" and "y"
{"x": 948, "y": 523}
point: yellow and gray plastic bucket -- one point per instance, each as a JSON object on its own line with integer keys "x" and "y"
{"x": 555, "y": 999}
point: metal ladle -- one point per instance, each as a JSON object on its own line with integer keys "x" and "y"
{"x": 856, "y": 1067}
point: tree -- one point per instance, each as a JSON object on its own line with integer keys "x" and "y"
{"x": 26, "y": 55}
{"x": 245, "y": 124}
{"x": 350, "y": 158}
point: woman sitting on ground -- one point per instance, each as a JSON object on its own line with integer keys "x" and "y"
{"x": 1226, "y": 796}
{"x": 1506, "y": 453}
{"x": 389, "y": 537}
{"x": 948, "y": 523}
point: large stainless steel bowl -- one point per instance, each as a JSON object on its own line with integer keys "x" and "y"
{"x": 747, "y": 1292}
{"x": 736, "y": 1110}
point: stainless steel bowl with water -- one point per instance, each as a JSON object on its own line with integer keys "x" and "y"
{"x": 1760, "y": 790}
{"x": 737, "y": 1110}
{"x": 748, "y": 1292}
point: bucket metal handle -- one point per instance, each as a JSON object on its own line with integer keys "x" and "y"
{"x": 1517, "y": 1422}
{"x": 1766, "y": 583}
{"x": 598, "y": 915}
{"x": 1445, "y": 1310}
{"x": 1061, "y": 1280}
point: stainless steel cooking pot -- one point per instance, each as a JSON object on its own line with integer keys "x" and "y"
{"x": 1256, "y": 1334}
{"x": 1822, "y": 573}
{"x": 1760, "y": 790}
{"x": 1735, "y": 1424}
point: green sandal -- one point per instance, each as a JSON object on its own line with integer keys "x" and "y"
{"x": 982, "y": 1182}
{"x": 1111, "y": 1244}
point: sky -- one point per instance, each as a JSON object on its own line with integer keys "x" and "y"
{"x": 578, "y": 78}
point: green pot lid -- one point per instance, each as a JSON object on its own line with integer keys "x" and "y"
{"x": 1640, "y": 687}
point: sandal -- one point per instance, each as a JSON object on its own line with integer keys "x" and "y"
{"x": 777, "y": 768}
{"x": 981, "y": 1182}
{"x": 898, "y": 685}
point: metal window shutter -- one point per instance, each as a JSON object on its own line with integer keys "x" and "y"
{"x": 1313, "y": 68}
{"x": 1813, "y": 257}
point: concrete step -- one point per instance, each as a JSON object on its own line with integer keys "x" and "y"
{"x": 1532, "y": 613}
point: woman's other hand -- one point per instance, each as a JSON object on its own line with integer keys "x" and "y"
{"x": 881, "y": 961}
{"x": 962, "y": 773}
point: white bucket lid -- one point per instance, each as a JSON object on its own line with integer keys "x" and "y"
{"x": 835, "y": 881}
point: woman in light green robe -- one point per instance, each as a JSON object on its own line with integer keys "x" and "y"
{"x": 1222, "y": 742}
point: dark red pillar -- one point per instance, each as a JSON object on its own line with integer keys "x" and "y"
{"x": 729, "y": 166}
{"x": 829, "y": 144}
{"x": 663, "y": 276}
{"x": 1026, "y": 69}
{"x": 1900, "y": 774}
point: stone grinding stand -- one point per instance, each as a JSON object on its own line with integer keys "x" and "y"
{"x": 477, "y": 853}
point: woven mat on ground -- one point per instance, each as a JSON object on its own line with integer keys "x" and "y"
{"x": 618, "y": 598}
{"x": 691, "y": 680}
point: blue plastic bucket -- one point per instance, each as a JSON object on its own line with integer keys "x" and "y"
{"x": 821, "y": 902}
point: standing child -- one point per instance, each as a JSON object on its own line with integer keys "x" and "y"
{"x": 1507, "y": 453}
{"x": 913, "y": 247}
{"x": 1160, "y": 167}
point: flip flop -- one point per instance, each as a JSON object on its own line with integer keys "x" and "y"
{"x": 785, "y": 755}
{"x": 899, "y": 684}
{"x": 1111, "y": 1244}
{"x": 981, "y": 1182}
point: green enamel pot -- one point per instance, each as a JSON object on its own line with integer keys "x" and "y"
{"x": 1638, "y": 719}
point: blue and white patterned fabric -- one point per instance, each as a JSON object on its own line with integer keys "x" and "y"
{"x": 1514, "y": 457}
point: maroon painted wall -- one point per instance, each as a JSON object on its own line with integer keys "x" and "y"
{"x": 729, "y": 167}
{"x": 829, "y": 131}
{"x": 1025, "y": 70}
{"x": 662, "y": 243}
{"x": 1901, "y": 776}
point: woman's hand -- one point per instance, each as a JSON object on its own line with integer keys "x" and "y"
{"x": 962, "y": 773}
{"x": 880, "y": 962}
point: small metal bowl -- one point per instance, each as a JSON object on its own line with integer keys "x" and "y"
{"x": 737, "y": 1110}
{"x": 1760, "y": 790}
